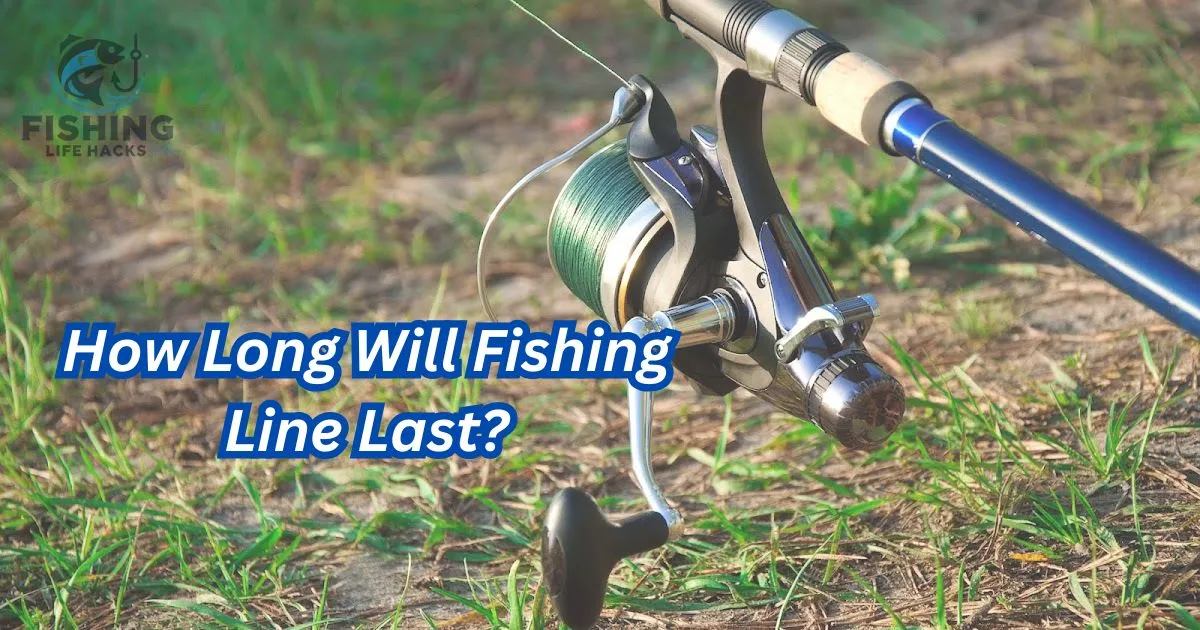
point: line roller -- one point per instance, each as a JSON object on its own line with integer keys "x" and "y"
{"x": 659, "y": 231}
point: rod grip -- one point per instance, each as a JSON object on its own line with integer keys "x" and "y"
{"x": 851, "y": 90}
{"x": 855, "y": 93}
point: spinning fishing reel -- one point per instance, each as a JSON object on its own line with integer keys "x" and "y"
{"x": 658, "y": 231}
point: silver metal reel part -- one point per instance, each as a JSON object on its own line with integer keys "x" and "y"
{"x": 709, "y": 319}
{"x": 861, "y": 308}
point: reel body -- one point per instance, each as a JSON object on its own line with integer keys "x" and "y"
{"x": 615, "y": 246}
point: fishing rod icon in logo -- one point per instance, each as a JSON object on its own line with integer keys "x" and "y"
{"x": 87, "y": 74}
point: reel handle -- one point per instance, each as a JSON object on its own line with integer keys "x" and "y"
{"x": 581, "y": 547}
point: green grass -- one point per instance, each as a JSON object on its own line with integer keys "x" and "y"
{"x": 335, "y": 76}
{"x": 979, "y": 319}
{"x": 1025, "y": 499}
{"x": 96, "y": 520}
{"x": 883, "y": 230}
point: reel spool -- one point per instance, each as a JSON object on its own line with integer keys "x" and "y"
{"x": 593, "y": 232}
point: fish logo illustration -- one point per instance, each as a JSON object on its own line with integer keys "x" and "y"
{"x": 87, "y": 74}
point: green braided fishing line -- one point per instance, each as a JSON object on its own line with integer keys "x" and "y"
{"x": 597, "y": 199}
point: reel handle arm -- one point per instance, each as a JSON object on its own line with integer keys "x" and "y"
{"x": 581, "y": 546}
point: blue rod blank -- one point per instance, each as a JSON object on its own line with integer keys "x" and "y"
{"x": 1050, "y": 214}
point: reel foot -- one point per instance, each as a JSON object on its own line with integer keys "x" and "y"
{"x": 581, "y": 546}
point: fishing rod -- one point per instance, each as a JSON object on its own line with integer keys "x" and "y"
{"x": 657, "y": 232}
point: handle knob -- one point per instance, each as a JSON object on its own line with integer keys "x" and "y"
{"x": 581, "y": 547}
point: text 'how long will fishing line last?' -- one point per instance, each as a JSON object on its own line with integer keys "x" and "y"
{"x": 432, "y": 349}
{"x": 429, "y": 349}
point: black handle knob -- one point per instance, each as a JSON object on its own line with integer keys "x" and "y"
{"x": 581, "y": 547}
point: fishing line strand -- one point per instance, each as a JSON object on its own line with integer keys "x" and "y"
{"x": 571, "y": 43}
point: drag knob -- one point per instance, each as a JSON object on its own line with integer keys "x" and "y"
{"x": 856, "y": 401}
{"x": 581, "y": 547}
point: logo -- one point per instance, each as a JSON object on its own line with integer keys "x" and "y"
{"x": 97, "y": 77}
{"x": 88, "y": 76}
